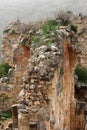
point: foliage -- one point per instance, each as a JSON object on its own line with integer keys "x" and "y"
{"x": 69, "y": 12}
{"x": 49, "y": 26}
{"x": 36, "y": 39}
{"x": 4, "y": 67}
{"x": 49, "y": 30}
{"x": 6, "y": 30}
{"x": 74, "y": 28}
{"x": 81, "y": 72}
{"x": 48, "y": 42}
{"x": 46, "y": 32}
{"x": 61, "y": 70}
{"x": 46, "y": 29}
{"x": 7, "y": 114}
{"x": 13, "y": 32}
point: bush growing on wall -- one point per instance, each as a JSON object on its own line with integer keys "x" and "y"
{"x": 81, "y": 72}
{"x": 4, "y": 67}
{"x": 7, "y": 114}
{"x": 74, "y": 28}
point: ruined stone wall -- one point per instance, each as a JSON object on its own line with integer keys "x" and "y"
{"x": 16, "y": 55}
{"x": 81, "y": 23}
{"x": 47, "y": 92}
{"x": 63, "y": 94}
{"x": 38, "y": 81}
{"x": 48, "y": 86}
{"x": 9, "y": 43}
{"x": 78, "y": 107}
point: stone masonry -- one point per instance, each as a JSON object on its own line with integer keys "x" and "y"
{"x": 47, "y": 99}
{"x": 48, "y": 87}
{"x": 16, "y": 55}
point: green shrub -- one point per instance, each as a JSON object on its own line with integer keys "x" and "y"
{"x": 48, "y": 42}
{"x": 61, "y": 70}
{"x": 36, "y": 39}
{"x": 50, "y": 25}
{"x": 4, "y": 67}
{"x": 69, "y": 12}
{"x": 13, "y": 32}
{"x": 6, "y": 30}
{"x": 47, "y": 36}
{"x": 7, "y": 114}
{"x": 24, "y": 41}
{"x": 74, "y": 28}
{"x": 49, "y": 30}
{"x": 81, "y": 72}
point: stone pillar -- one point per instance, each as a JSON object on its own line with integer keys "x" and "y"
{"x": 23, "y": 120}
{"x": 15, "y": 115}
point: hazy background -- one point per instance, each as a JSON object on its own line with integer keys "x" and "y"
{"x": 34, "y": 10}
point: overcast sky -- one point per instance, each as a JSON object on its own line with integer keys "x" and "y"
{"x": 33, "y": 10}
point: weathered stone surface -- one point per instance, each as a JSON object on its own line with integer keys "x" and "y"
{"x": 16, "y": 54}
{"x": 23, "y": 120}
{"x": 48, "y": 84}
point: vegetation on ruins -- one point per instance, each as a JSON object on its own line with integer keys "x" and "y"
{"x": 74, "y": 28}
{"x": 4, "y": 67}
{"x": 6, "y": 30}
{"x": 81, "y": 72}
{"x": 48, "y": 32}
{"x": 5, "y": 115}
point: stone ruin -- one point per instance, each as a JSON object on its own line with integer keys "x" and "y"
{"x": 44, "y": 79}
